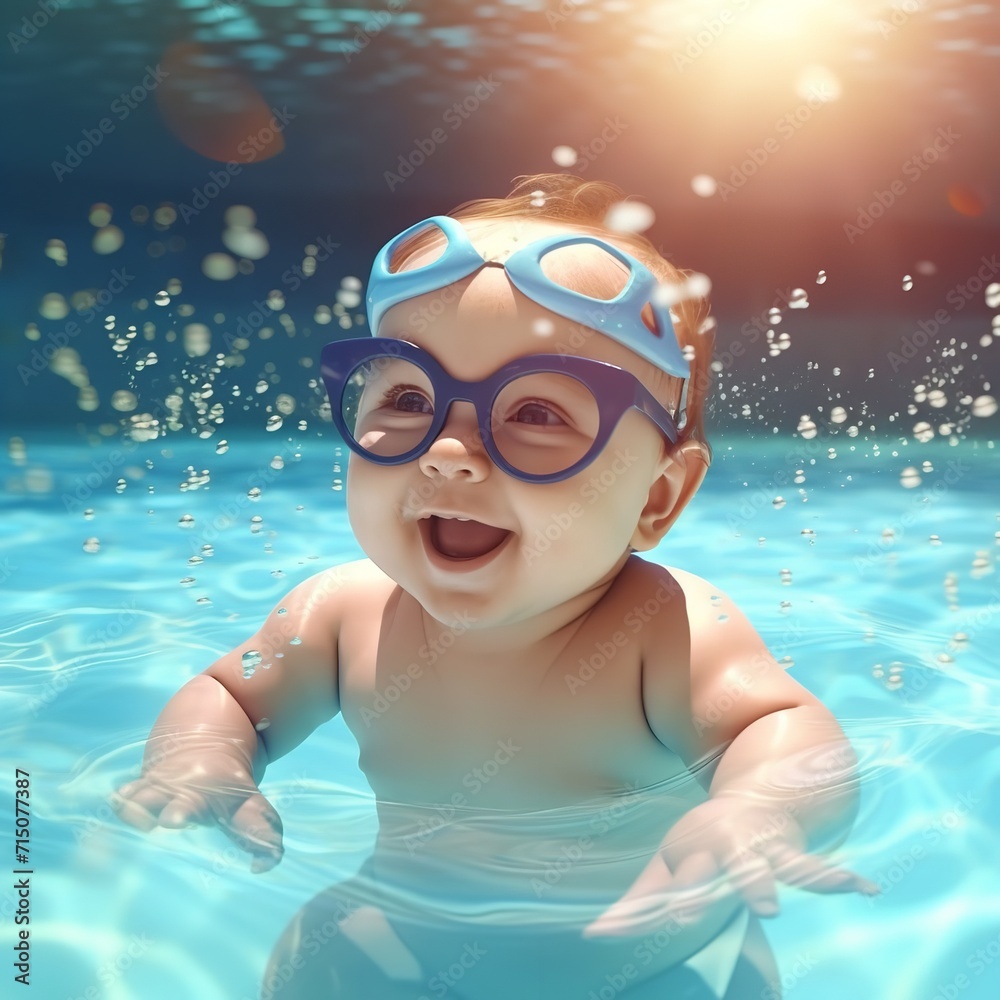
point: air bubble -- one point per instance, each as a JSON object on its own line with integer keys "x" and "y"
{"x": 935, "y": 539}
{"x": 838, "y": 415}
{"x": 88, "y": 514}
{"x": 799, "y": 299}
{"x": 821, "y": 278}
{"x": 909, "y": 478}
{"x": 221, "y": 448}
{"x": 984, "y": 406}
{"x": 253, "y": 493}
{"x": 907, "y": 282}
{"x": 186, "y": 521}
{"x": 937, "y": 398}
{"x": 92, "y": 545}
{"x": 263, "y": 724}
{"x": 187, "y": 581}
{"x": 806, "y": 427}
{"x": 295, "y": 641}
{"x": 274, "y": 422}
{"x": 993, "y": 295}
{"x": 778, "y": 503}
{"x": 923, "y": 431}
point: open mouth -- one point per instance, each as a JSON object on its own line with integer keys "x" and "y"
{"x": 462, "y": 540}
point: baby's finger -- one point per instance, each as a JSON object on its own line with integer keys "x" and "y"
{"x": 809, "y": 872}
{"x": 183, "y": 810}
{"x": 133, "y": 813}
{"x": 257, "y": 828}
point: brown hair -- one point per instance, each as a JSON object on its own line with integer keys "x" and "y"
{"x": 585, "y": 205}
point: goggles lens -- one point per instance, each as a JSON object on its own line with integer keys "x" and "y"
{"x": 540, "y": 422}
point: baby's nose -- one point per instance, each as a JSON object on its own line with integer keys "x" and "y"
{"x": 458, "y": 450}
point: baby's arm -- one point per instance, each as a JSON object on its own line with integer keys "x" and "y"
{"x": 784, "y": 750}
{"x": 784, "y": 785}
{"x": 211, "y": 743}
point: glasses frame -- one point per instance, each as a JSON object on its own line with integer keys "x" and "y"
{"x": 615, "y": 390}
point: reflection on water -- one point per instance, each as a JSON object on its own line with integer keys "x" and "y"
{"x": 895, "y": 633}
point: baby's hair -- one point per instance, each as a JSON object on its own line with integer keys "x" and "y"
{"x": 585, "y": 205}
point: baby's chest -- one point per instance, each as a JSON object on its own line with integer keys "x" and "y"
{"x": 432, "y": 729}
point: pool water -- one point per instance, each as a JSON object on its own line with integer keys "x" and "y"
{"x": 882, "y": 599}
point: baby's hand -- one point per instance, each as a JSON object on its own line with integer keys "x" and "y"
{"x": 722, "y": 848}
{"x": 204, "y": 785}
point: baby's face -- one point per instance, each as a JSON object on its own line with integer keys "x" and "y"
{"x": 565, "y": 537}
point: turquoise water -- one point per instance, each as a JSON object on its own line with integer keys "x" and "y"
{"x": 871, "y": 615}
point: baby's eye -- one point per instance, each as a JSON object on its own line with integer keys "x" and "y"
{"x": 407, "y": 398}
{"x": 537, "y": 413}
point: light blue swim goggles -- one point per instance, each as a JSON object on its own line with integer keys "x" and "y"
{"x": 543, "y": 417}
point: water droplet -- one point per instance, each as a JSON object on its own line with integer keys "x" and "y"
{"x": 704, "y": 185}
{"x": 984, "y": 406}
{"x": 186, "y": 521}
{"x": 263, "y": 724}
{"x": 251, "y": 660}
{"x": 723, "y": 618}
{"x": 806, "y": 427}
{"x": 295, "y": 641}
{"x": 786, "y": 662}
{"x": 92, "y": 545}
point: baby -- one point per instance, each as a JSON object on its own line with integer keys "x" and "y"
{"x": 589, "y": 771}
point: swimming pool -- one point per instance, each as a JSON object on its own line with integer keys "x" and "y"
{"x": 884, "y": 598}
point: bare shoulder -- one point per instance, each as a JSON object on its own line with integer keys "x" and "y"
{"x": 338, "y": 587}
{"x": 707, "y": 673}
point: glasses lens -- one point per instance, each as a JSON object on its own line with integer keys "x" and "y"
{"x": 387, "y": 405}
{"x": 544, "y": 422}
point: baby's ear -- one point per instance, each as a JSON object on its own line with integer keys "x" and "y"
{"x": 683, "y": 471}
